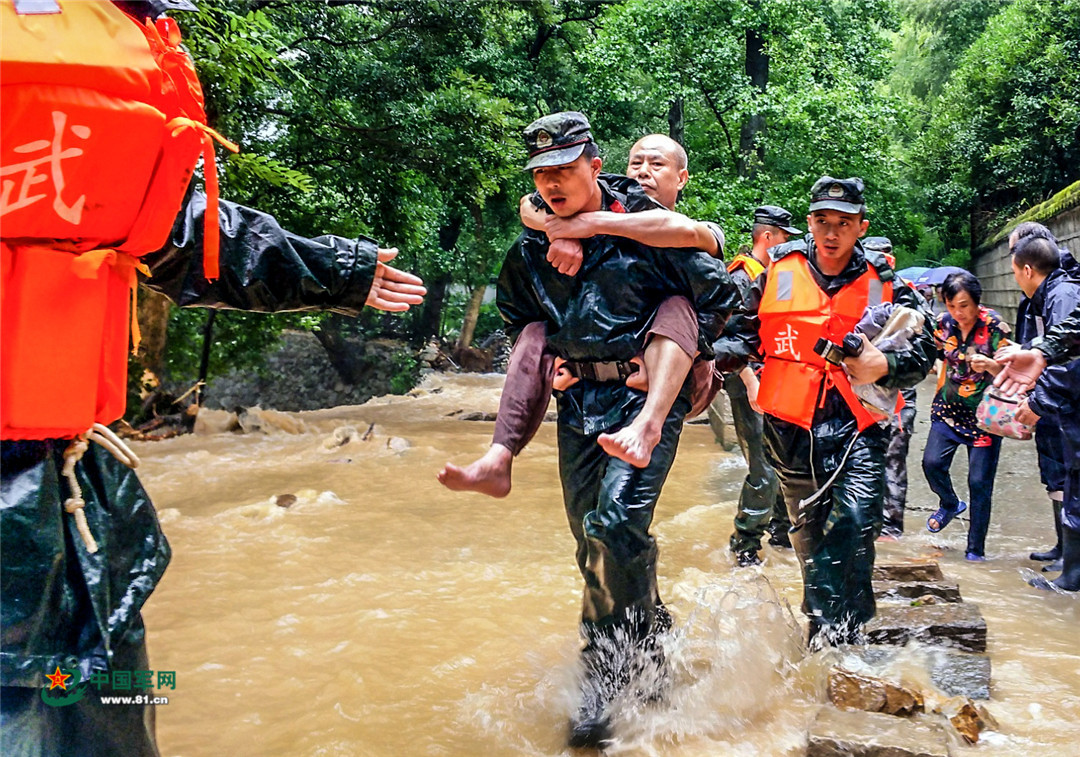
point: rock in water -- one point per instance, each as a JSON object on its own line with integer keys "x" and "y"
{"x": 342, "y": 435}
{"x": 398, "y": 444}
{"x": 285, "y": 500}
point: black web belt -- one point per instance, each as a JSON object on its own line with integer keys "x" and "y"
{"x": 613, "y": 370}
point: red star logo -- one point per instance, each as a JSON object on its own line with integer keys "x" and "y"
{"x": 58, "y": 679}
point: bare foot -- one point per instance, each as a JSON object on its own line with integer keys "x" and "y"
{"x": 489, "y": 475}
{"x": 633, "y": 444}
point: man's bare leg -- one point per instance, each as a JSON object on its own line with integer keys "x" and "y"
{"x": 667, "y": 365}
{"x": 522, "y": 405}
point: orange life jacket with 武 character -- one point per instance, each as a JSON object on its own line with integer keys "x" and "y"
{"x": 794, "y": 313}
{"x": 103, "y": 125}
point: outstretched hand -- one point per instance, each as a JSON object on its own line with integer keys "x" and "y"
{"x": 393, "y": 290}
{"x": 1022, "y": 370}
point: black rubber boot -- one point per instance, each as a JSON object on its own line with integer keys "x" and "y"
{"x": 1054, "y": 553}
{"x": 1056, "y": 566}
{"x": 1069, "y": 580}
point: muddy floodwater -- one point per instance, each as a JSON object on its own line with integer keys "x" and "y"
{"x": 380, "y": 614}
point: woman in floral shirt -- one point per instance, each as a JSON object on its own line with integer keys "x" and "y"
{"x": 967, "y": 337}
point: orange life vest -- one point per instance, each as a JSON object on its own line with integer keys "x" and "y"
{"x": 103, "y": 125}
{"x": 795, "y": 312}
{"x": 748, "y": 263}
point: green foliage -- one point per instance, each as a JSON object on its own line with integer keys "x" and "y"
{"x": 239, "y": 340}
{"x": 1005, "y": 132}
{"x": 402, "y": 121}
{"x": 406, "y": 372}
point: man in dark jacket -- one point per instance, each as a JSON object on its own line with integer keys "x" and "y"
{"x": 760, "y": 505}
{"x": 1050, "y": 295}
{"x": 1055, "y": 397}
{"x": 827, "y": 448}
{"x": 597, "y": 320}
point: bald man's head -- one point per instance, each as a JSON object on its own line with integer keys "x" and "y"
{"x": 658, "y": 163}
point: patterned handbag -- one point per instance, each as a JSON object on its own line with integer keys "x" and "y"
{"x": 996, "y": 414}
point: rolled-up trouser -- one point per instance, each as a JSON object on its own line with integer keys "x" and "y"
{"x": 896, "y": 477}
{"x": 833, "y": 534}
{"x": 609, "y": 503}
{"x": 983, "y": 453}
{"x": 1050, "y": 446}
{"x": 760, "y": 505}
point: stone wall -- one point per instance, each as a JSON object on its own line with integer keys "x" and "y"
{"x": 993, "y": 265}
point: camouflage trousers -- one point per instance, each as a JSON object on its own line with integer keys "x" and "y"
{"x": 761, "y": 506}
{"x": 896, "y": 478}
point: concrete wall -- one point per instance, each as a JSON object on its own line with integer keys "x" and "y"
{"x": 993, "y": 265}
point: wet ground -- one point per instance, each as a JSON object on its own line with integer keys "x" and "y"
{"x": 381, "y": 614}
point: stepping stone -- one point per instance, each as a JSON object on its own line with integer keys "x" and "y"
{"x": 926, "y": 571}
{"x": 953, "y": 624}
{"x": 856, "y": 691}
{"x": 958, "y": 674}
{"x": 908, "y": 590}
{"x": 837, "y": 733}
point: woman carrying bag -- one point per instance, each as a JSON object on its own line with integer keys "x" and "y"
{"x": 967, "y": 336}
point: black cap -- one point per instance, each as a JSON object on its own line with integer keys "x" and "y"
{"x": 845, "y": 195}
{"x": 774, "y": 215}
{"x": 557, "y": 139}
{"x": 877, "y": 244}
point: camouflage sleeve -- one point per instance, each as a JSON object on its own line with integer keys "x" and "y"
{"x": 908, "y": 367}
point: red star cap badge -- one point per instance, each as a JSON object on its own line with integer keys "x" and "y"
{"x": 58, "y": 679}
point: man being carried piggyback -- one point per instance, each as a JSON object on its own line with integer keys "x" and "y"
{"x": 659, "y": 164}
{"x": 597, "y": 321}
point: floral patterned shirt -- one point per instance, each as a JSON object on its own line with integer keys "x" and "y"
{"x": 962, "y": 389}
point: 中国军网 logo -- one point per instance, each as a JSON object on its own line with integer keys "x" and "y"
{"x": 65, "y": 686}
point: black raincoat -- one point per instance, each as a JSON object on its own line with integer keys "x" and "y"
{"x": 1062, "y": 343}
{"x": 833, "y": 533}
{"x": 1056, "y": 298}
{"x": 603, "y": 314}
{"x": 63, "y": 607}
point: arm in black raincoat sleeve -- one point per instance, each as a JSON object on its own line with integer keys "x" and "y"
{"x": 516, "y": 297}
{"x": 908, "y": 367}
{"x": 714, "y": 295}
{"x": 263, "y": 267}
{"x": 1062, "y": 343}
{"x": 740, "y": 343}
{"x": 1054, "y": 394}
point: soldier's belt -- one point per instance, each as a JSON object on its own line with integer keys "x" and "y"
{"x": 613, "y": 370}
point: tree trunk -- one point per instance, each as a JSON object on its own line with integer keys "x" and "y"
{"x": 676, "y": 125}
{"x": 342, "y": 352}
{"x": 204, "y": 362}
{"x": 751, "y": 150}
{"x": 429, "y": 323}
{"x": 472, "y": 314}
{"x": 153, "y": 313}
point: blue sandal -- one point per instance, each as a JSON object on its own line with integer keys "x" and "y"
{"x": 944, "y": 517}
